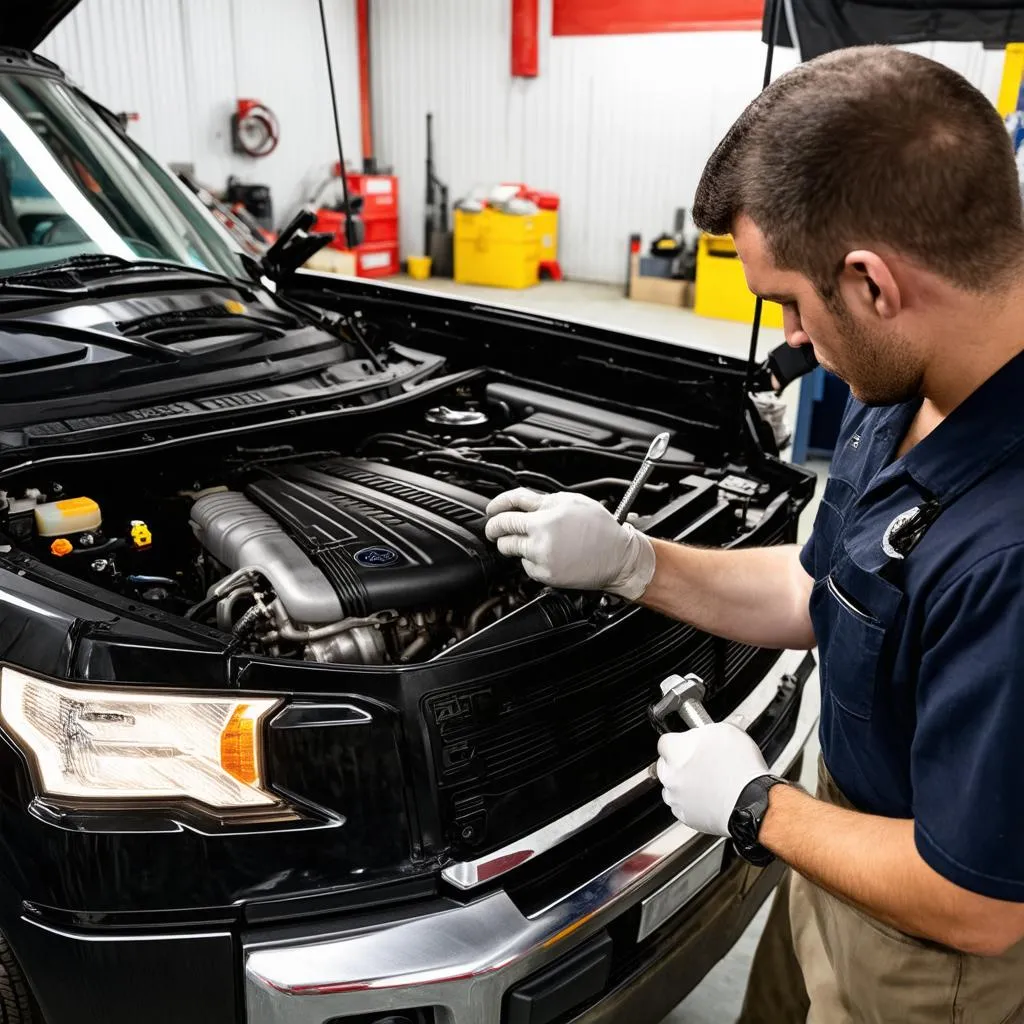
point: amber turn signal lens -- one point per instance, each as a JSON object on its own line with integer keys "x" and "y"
{"x": 238, "y": 755}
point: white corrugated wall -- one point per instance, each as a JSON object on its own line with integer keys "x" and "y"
{"x": 182, "y": 63}
{"x": 620, "y": 126}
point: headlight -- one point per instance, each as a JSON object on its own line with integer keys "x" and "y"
{"x": 117, "y": 745}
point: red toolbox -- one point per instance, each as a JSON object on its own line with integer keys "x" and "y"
{"x": 377, "y": 259}
{"x": 374, "y": 230}
{"x": 379, "y": 192}
{"x": 377, "y": 254}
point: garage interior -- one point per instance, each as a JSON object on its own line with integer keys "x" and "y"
{"x": 538, "y": 157}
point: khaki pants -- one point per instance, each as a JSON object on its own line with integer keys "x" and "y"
{"x": 821, "y": 961}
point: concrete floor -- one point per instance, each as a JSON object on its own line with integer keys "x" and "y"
{"x": 717, "y": 1000}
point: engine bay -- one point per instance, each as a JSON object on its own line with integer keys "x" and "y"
{"x": 368, "y": 547}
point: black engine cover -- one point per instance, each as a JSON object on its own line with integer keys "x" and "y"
{"x": 384, "y": 537}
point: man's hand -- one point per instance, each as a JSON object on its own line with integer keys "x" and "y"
{"x": 571, "y": 541}
{"x": 704, "y": 771}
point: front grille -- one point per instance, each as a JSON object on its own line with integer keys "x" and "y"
{"x": 512, "y": 754}
{"x": 507, "y": 762}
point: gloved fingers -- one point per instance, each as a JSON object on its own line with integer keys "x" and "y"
{"x": 508, "y": 524}
{"x": 676, "y": 748}
{"x": 521, "y": 498}
{"x": 515, "y": 546}
{"x": 675, "y": 807}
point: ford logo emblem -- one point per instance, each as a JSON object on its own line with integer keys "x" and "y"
{"x": 376, "y": 558}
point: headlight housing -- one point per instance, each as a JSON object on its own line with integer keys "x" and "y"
{"x": 88, "y": 743}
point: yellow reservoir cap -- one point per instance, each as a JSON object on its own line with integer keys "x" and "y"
{"x": 72, "y": 515}
{"x": 61, "y": 547}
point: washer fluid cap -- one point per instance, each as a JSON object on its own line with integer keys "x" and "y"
{"x": 442, "y": 416}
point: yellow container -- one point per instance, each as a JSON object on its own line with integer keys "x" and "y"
{"x": 547, "y": 225}
{"x": 721, "y": 290}
{"x": 419, "y": 267}
{"x": 497, "y": 249}
{"x": 72, "y": 515}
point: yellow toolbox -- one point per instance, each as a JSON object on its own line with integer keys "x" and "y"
{"x": 721, "y": 289}
{"x": 497, "y": 249}
{"x": 547, "y": 223}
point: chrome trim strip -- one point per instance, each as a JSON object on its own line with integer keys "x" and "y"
{"x": 124, "y": 939}
{"x": 661, "y": 906}
{"x": 467, "y": 955}
{"x": 467, "y": 874}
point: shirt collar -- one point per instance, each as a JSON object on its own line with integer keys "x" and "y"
{"x": 974, "y": 438}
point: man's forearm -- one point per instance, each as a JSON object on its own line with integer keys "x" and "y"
{"x": 756, "y": 595}
{"x": 873, "y": 863}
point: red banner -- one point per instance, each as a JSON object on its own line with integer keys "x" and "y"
{"x": 626, "y": 17}
{"x": 525, "y": 42}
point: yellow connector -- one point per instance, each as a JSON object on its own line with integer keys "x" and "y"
{"x": 141, "y": 537}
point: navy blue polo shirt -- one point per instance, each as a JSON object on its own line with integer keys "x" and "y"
{"x": 922, "y": 658}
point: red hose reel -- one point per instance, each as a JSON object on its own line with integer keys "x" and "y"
{"x": 255, "y": 130}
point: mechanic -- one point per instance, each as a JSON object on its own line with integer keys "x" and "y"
{"x": 874, "y": 194}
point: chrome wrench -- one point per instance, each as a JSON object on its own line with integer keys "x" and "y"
{"x": 655, "y": 453}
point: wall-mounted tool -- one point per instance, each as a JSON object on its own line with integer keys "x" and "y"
{"x": 255, "y": 130}
{"x": 437, "y": 237}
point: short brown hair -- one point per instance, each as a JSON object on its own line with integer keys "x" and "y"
{"x": 871, "y": 145}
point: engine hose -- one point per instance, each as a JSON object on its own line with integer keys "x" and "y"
{"x": 616, "y": 452}
{"x": 611, "y": 481}
{"x": 226, "y": 607}
{"x": 405, "y": 440}
{"x": 249, "y": 620}
{"x": 486, "y": 469}
{"x": 199, "y": 611}
{"x": 479, "y": 612}
{"x": 417, "y": 645}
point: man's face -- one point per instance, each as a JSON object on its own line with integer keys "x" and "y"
{"x": 872, "y": 356}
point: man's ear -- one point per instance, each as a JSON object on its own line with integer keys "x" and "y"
{"x": 868, "y": 286}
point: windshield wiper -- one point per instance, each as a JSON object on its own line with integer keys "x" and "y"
{"x": 25, "y": 287}
{"x": 148, "y": 350}
{"x": 71, "y": 276}
{"x": 207, "y": 321}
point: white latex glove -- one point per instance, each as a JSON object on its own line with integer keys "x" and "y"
{"x": 704, "y": 771}
{"x": 571, "y": 541}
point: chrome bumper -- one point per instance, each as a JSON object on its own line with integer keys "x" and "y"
{"x": 464, "y": 959}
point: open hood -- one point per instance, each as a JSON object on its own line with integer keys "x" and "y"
{"x": 25, "y": 24}
{"x": 815, "y": 27}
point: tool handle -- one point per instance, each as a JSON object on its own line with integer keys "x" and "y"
{"x": 634, "y": 489}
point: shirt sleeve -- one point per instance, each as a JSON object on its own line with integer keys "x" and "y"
{"x": 967, "y": 757}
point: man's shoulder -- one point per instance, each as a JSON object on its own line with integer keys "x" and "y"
{"x": 981, "y": 535}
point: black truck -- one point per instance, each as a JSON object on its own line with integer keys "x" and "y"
{"x": 283, "y": 740}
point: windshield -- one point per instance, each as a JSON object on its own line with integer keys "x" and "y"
{"x": 70, "y": 184}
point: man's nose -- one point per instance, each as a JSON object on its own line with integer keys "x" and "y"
{"x": 793, "y": 329}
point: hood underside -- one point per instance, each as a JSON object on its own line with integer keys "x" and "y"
{"x": 25, "y": 25}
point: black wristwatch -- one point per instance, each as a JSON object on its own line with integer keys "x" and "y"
{"x": 747, "y": 815}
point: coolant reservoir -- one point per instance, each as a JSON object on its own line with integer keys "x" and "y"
{"x": 72, "y": 515}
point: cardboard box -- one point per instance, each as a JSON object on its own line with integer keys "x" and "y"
{"x": 662, "y": 290}
{"x": 333, "y": 261}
